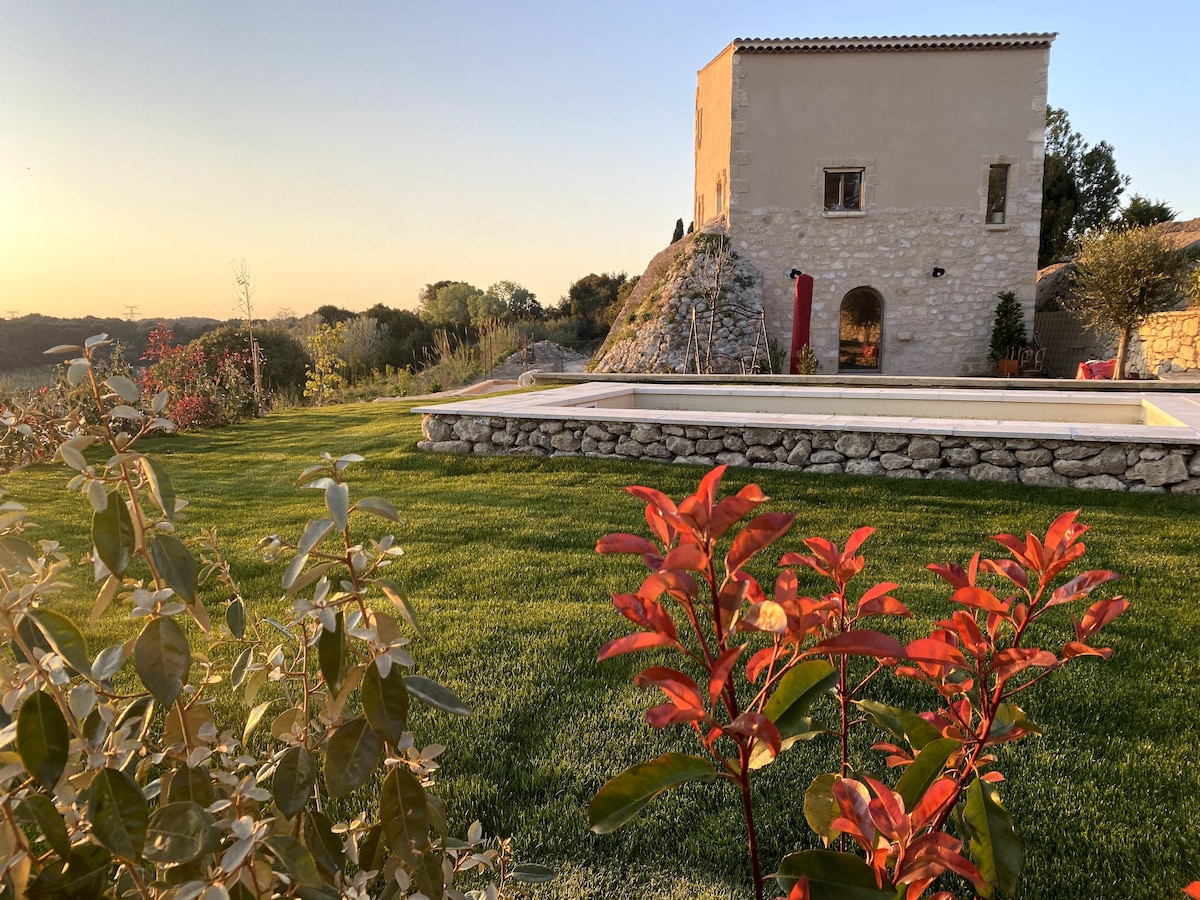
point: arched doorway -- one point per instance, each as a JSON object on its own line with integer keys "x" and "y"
{"x": 860, "y": 331}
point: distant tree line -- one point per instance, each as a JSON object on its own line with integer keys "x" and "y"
{"x": 580, "y": 318}
{"x": 23, "y": 339}
{"x": 358, "y": 345}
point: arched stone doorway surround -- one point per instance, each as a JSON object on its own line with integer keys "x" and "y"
{"x": 860, "y": 331}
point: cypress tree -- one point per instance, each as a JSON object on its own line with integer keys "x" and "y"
{"x": 1008, "y": 330}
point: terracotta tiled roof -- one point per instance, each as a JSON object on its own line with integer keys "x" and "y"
{"x": 860, "y": 44}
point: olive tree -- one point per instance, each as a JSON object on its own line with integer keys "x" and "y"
{"x": 1121, "y": 277}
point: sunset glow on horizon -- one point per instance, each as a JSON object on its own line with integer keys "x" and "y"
{"x": 352, "y": 154}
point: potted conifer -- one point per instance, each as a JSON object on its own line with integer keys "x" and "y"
{"x": 1009, "y": 336}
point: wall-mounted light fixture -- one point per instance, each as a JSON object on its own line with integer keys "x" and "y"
{"x": 938, "y": 271}
{"x": 795, "y": 273}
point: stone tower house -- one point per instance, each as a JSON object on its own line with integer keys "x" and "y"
{"x": 903, "y": 174}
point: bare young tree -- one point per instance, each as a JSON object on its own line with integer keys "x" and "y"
{"x": 719, "y": 261}
{"x": 243, "y": 295}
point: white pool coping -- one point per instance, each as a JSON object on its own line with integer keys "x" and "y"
{"x": 579, "y": 402}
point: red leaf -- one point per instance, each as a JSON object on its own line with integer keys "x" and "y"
{"x": 1192, "y": 890}
{"x": 686, "y": 556}
{"x": 1019, "y": 549}
{"x": 720, "y": 672}
{"x": 669, "y": 714}
{"x": 887, "y": 811}
{"x": 933, "y": 853}
{"x": 1060, "y": 563}
{"x": 856, "y": 540}
{"x": 935, "y": 651}
{"x": 1007, "y": 568}
{"x": 1063, "y": 532}
{"x": 896, "y": 756}
{"x": 760, "y": 532}
{"x": 786, "y": 586}
{"x": 707, "y": 490}
{"x": 680, "y": 689}
{"x": 1016, "y": 659}
{"x": 859, "y": 642}
{"x": 1098, "y": 615}
{"x": 732, "y": 509}
{"x": 808, "y": 562}
{"x": 758, "y": 663}
{"x": 963, "y": 624}
{"x": 695, "y": 514}
{"x": 799, "y": 890}
{"x": 883, "y": 606}
{"x": 651, "y": 497}
{"x": 659, "y": 526}
{"x": 640, "y": 641}
{"x": 679, "y": 585}
{"x": 951, "y": 573}
{"x": 825, "y": 550}
{"x": 980, "y": 598}
{"x": 856, "y": 817}
{"x": 936, "y": 796}
{"x": 646, "y": 613}
{"x": 1081, "y": 586}
{"x": 1076, "y": 648}
{"x": 624, "y": 543}
{"x": 877, "y": 601}
{"x": 735, "y": 592}
{"x": 759, "y": 727}
{"x": 878, "y": 591}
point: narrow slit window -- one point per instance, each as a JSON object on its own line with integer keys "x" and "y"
{"x": 843, "y": 190}
{"x": 997, "y": 194}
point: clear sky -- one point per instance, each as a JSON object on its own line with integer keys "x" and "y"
{"x": 352, "y": 152}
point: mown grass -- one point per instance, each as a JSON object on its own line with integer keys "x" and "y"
{"x": 514, "y": 604}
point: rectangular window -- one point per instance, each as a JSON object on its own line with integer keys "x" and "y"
{"x": 843, "y": 189}
{"x": 997, "y": 194}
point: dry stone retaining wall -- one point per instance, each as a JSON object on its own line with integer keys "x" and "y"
{"x": 1167, "y": 344}
{"x": 1153, "y": 468}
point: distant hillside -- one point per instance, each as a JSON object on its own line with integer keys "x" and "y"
{"x": 23, "y": 340}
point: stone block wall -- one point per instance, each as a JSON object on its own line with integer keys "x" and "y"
{"x": 1154, "y": 468}
{"x": 931, "y": 326}
{"x": 1167, "y": 344}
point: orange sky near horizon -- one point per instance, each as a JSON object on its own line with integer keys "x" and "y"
{"x": 352, "y": 154}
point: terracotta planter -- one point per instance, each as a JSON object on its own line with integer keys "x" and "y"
{"x": 1008, "y": 367}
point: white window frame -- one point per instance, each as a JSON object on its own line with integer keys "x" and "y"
{"x": 866, "y": 195}
{"x": 840, "y": 206}
{"x": 997, "y": 213}
{"x": 1012, "y": 188}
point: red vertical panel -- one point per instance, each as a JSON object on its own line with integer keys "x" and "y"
{"x": 801, "y": 318}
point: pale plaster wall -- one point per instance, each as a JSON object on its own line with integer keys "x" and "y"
{"x": 714, "y": 124}
{"x": 925, "y": 126}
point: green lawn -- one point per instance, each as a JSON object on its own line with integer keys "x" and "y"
{"x": 501, "y": 570}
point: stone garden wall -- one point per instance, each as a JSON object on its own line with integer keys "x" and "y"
{"x": 1167, "y": 344}
{"x": 1153, "y": 468}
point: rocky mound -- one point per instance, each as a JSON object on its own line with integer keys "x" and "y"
{"x": 698, "y": 308}
{"x": 545, "y": 356}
